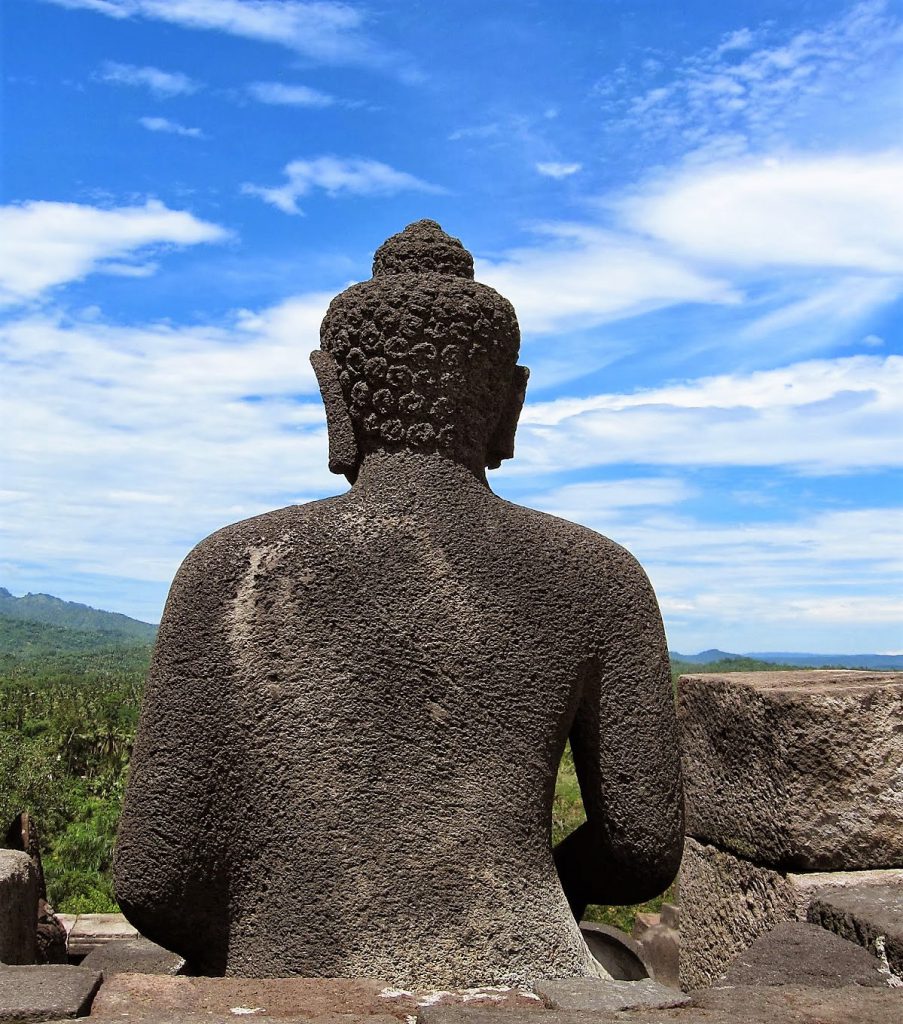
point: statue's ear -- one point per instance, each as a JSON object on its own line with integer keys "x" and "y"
{"x": 501, "y": 444}
{"x": 344, "y": 455}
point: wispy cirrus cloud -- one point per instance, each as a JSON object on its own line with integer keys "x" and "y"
{"x": 580, "y": 275}
{"x": 288, "y": 95}
{"x": 49, "y": 244}
{"x": 162, "y": 84}
{"x": 818, "y": 416}
{"x": 336, "y": 176}
{"x": 556, "y": 169}
{"x": 799, "y": 579}
{"x": 322, "y": 30}
{"x": 163, "y": 124}
{"x": 759, "y": 87}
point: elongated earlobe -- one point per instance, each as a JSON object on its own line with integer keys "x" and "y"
{"x": 344, "y": 455}
{"x": 501, "y": 444}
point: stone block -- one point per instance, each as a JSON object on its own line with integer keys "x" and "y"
{"x": 797, "y": 770}
{"x": 88, "y": 931}
{"x": 797, "y": 953}
{"x": 869, "y": 915}
{"x": 727, "y": 902}
{"x": 40, "y": 993}
{"x": 590, "y": 994}
{"x": 788, "y": 1004}
{"x": 620, "y": 956}
{"x": 658, "y": 937}
{"x": 132, "y": 956}
{"x": 142, "y": 996}
{"x": 18, "y": 907}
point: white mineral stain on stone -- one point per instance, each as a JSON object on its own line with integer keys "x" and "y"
{"x": 394, "y": 993}
{"x": 244, "y": 1010}
{"x": 881, "y": 951}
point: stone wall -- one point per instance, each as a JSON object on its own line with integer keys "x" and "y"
{"x": 18, "y": 907}
{"x": 793, "y": 785}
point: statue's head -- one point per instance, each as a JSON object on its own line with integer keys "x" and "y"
{"x": 420, "y": 357}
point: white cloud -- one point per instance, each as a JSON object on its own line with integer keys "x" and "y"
{"x": 758, "y": 85}
{"x": 823, "y": 580}
{"x": 558, "y": 170}
{"x": 323, "y": 30}
{"x": 281, "y": 94}
{"x": 163, "y": 84}
{"x": 336, "y": 177}
{"x": 582, "y": 276}
{"x": 820, "y": 416}
{"x": 163, "y": 124}
{"x": 152, "y": 436}
{"x": 844, "y": 212}
{"x": 48, "y": 244}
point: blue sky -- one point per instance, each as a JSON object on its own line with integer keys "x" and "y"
{"x": 696, "y": 209}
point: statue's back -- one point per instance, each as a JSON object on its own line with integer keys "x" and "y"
{"x": 352, "y": 726}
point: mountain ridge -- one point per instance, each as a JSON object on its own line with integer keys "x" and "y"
{"x": 54, "y": 611}
{"x": 798, "y": 659}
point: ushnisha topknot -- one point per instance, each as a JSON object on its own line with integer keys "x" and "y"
{"x": 423, "y": 248}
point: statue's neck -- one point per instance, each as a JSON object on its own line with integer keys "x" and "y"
{"x": 417, "y": 475}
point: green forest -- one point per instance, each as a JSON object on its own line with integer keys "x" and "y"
{"x": 69, "y": 702}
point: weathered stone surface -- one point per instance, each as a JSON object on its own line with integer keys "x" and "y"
{"x": 658, "y": 937}
{"x": 797, "y": 770}
{"x": 42, "y": 992}
{"x": 590, "y": 994}
{"x": 87, "y": 932}
{"x": 797, "y": 953}
{"x": 727, "y": 902}
{"x": 18, "y": 907}
{"x": 616, "y": 951}
{"x": 869, "y": 915}
{"x": 789, "y": 1004}
{"x": 50, "y": 939}
{"x": 356, "y": 709}
{"x": 132, "y": 956}
{"x": 144, "y": 995}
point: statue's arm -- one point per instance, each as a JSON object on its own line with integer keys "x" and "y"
{"x": 624, "y": 740}
{"x": 166, "y": 858}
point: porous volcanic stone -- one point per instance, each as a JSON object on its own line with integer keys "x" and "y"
{"x": 615, "y": 950}
{"x": 590, "y": 994}
{"x": 658, "y": 937}
{"x": 797, "y": 953}
{"x": 42, "y": 992}
{"x": 144, "y": 995}
{"x": 789, "y": 1004}
{"x": 356, "y": 709}
{"x": 727, "y": 902}
{"x": 18, "y": 907}
{"x": 869, "y": 915}
{"x": 132, "y": 956}
{"x": 796, "y": 770}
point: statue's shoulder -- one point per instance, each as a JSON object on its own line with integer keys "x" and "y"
{"x": 228, "y": 550}
{"x": 580, "y": 540}
{"x": 589, "y": 556}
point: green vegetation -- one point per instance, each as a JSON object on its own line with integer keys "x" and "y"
{"x": 68, "y": 711}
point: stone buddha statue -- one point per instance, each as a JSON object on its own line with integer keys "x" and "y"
{"x": 347, "y": 752}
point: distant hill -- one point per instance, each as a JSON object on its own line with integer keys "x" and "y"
{"x": 53, "y": 611}
{"x": 879, "y": 661}
{"x": 22, "y": 641}
{"x": 793, "y": 659}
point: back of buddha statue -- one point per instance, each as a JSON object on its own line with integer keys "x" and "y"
{"x": 347, "y": 753}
